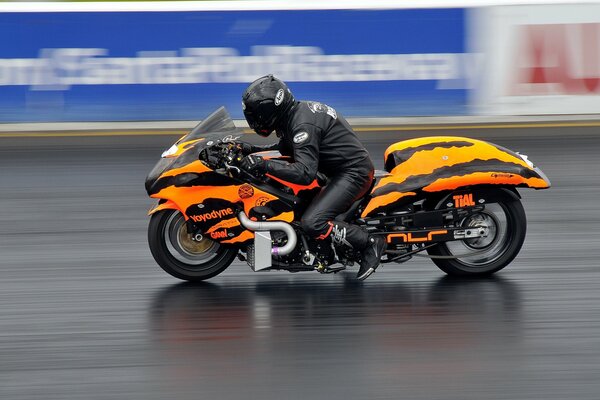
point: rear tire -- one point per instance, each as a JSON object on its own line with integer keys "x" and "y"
{"x": 177, "y": 254}
{"x": 508, "y": 224}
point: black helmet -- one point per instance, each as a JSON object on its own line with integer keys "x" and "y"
{"x": 265, "y": 102}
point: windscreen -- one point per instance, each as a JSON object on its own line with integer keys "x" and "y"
{"x": 217, "y": 122}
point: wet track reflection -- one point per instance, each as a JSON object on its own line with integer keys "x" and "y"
{"x": 336, "y": 339}
{"x": 87, "y": 314}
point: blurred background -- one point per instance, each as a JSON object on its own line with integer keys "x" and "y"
{"x": 91, "y": 93}
{"x": 177, "y": 61}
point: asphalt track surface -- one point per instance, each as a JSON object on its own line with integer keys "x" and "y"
{"x": 87, "y": 314}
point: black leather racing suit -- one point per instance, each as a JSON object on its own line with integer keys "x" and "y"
{"x": 319, "y": 139}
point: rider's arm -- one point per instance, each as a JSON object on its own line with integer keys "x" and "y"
{"x": 248, "y": 148}
{"x": 303, "y": 170}
{"x": 265, "y": 147}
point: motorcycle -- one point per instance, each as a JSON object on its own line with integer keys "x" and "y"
{"x": 454, "y": 198}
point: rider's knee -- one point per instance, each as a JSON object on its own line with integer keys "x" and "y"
{"x": 313, "y": 227}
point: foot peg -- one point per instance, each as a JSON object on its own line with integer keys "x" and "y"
{"x": 328, "y": 269}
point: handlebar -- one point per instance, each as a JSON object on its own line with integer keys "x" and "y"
{"x": 225, "y": 156}
{"x": 228, "y": 155}
{"x": 222, "y": 155}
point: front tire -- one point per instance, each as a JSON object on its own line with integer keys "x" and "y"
{"x": 507, "y": 226}
{"x": 177, "y": 254}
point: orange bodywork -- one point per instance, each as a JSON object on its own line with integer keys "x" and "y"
{"x": 167, "y": 205}
{"x": 444, "y": 163}
{"x": 295, "y": 188}
{"x": 182, "y": 198}
{"x": 218, "y": 221}
{"x": 480, "y": 178}
{"x": 193, "y": 167}
{"x": 384, "y": 200}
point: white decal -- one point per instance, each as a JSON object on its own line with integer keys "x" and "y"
{"x": 339, "y": 236}
{"x": 331, "y": 112}
{"x": 300, "y": 137}
{"x": 243, "y": 106}
{"x": 279, "y": 97}
{"x": 316, "y": 107}
{"x": 170, "y": 151}
{"x": 229, "y": 138}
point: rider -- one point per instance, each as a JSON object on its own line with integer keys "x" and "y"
{"x": 319, "y": 140}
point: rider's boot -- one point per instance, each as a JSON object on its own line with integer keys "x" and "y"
{"x": 371, "y": 247}
{"x": 371, "y": 257}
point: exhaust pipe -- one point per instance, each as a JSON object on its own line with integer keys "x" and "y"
{"x": 286, "y": 228}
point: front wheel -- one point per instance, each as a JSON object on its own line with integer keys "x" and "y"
{"x": 506, "y": 226}
{"x": 179, "y": 255}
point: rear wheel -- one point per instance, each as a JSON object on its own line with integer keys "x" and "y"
{"x": 179, "y": 254}
{"x": 506, "y": 225}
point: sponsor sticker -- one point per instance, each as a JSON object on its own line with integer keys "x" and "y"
{"x": 316, "y": 107}
{"x": 219, "y": 234}
{"x": 409, "y": 238}
{"x": 261, "y": 201}
{"x": 300, "y": 137}
{"x": 245, "y": 191}
{"x": 501, "y": 175}
{"x": 279, "y": 97}
{"x": 212, "y": 215}
{"x": 226, "y": 223}
{"x": 463, "y": 200}
{"x": 230, "y": 139}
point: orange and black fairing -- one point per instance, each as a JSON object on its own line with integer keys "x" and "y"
{"x": 210, "y": 200}
{"x": 445, "y": 163}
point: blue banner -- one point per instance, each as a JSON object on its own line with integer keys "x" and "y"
{"x": 118, "y": 66}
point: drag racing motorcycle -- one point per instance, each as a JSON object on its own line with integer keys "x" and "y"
{"x": 453, "y": 199}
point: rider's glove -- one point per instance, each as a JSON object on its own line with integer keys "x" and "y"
{"x": 246, "y": 148}
{"x": 254, "y": 164}
{"x": 209, "y": 156}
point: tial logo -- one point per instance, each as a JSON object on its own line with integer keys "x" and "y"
{"x": 463, "y": 200}
{"x": 211, "y": 215}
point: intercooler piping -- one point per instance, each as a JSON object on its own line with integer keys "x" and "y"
{"x": 272, "y": 226}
